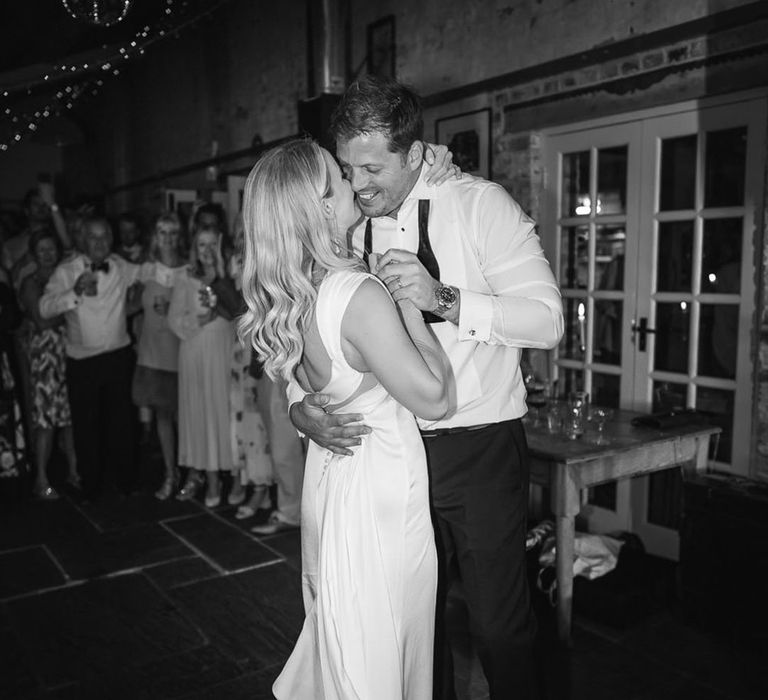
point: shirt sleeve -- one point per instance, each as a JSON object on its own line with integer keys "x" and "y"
{"x": 132, "y": 273}
{"x": 524, "y": 308}
{"x": 59, "y": 295}
{"x": 294, "y": 393}
{"x": 181, "y": 319}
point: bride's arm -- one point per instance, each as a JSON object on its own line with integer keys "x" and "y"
{"x": 402, "y": 353}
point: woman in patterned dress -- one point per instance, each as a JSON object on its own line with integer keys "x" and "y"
{"x": 50, "y": 402}
{"x": 250, "y": 441}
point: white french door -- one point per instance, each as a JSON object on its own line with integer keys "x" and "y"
{"x": 650, "y": 223}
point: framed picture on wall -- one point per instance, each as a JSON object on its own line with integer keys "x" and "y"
{"x": 380, "y": 56}
{"x": 468, "y": 135}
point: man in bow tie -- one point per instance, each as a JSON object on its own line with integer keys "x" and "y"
{"x": 90, "y": 290}
{"x": 466, "y": 255}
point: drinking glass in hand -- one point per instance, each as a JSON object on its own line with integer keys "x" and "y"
{"x": 160, "y": 304}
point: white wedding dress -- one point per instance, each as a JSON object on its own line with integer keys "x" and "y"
{"x": 368, "y": 558}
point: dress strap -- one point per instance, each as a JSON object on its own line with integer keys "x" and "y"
{"x": 333, "y": 299}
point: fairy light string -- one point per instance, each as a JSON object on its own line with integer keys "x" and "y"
{"x": 61, "y": 85}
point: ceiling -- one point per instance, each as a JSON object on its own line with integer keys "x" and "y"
{"x": 41, "y": 31}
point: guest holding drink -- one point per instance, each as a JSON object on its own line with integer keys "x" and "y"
{"x": 202, "y": 319}
{"x": 155, "y": 381}
{"x": 48, "y": 367}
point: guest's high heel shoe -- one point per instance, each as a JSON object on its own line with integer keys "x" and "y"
{"x": 45, "y": 493}
{"x": 168, "y": 488}
{"x": 189, "y": 490}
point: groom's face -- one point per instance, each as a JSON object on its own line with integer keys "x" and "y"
{"x": 380, "y": 178}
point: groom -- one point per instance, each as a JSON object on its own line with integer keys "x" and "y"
{"x": 466, "y": 254}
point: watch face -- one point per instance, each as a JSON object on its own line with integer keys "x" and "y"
{"x": 446, "y": 297}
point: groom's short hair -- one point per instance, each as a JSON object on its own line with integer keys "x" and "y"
{"x": 374, "y": 104}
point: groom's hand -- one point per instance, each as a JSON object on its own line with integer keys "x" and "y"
{"x": 335, "y": 432}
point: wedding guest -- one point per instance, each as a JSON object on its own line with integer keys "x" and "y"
{"x": 90, "y": 290}
{"x": 43, "y": 214}
{"x": 130, "y": 243}
{"x": 48, "y": 365}
{"x": 155, "y": 380}
{"x": 204, "y": 325}
{"x": 13, "y": 454}
{"x": 287, "y": 452}
{"x": 250, "y": 442}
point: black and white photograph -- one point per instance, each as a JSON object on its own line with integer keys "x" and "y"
{"x": 383, "y": 350}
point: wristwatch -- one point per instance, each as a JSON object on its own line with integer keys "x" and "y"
{"x": 446, "y": 298}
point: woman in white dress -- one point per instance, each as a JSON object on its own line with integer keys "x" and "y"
{"x": 317, "y": 317}
{"x": 203, "y": 322}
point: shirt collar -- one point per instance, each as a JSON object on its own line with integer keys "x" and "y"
{"x": 421, "y": 190}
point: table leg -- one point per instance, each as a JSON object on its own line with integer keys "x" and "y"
{"x": 564, "y": 539}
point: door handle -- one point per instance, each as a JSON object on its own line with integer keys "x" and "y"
{"x": 641, "y": 330}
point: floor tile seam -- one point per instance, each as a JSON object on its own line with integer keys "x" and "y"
{"x": 172, "y": 560}
{"x": 179, "y": 607}
{"x": 226, "y": 573}
{"x": 72, "y": 583}
{"x": 57, "y": 563}
{"x": 24, "y": 548}
{"x": 247, "y": 533}
{"x": 93, "y": 523}
{"x": 211, "y": 562}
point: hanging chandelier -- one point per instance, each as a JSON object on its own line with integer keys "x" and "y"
{"x": 103, "y": 13}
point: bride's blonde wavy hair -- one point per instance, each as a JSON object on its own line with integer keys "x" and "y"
{"x": 290, "y": 244}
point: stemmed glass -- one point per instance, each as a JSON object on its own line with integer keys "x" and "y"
{"x": 599, "y": 416}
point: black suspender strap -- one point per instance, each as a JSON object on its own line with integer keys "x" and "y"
{"x": 368, "y": 242}
{"x": 424, "y": 253}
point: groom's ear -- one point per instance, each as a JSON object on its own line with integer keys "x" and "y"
{"x": 415, "y": 155}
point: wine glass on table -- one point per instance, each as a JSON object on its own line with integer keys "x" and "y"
{"x": 536, "y": 388}
{"x": 600, "y": 415}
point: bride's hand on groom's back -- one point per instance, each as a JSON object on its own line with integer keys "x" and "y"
{"x": 339, "y": 432}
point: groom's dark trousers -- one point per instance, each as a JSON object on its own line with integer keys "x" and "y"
{"x": 479, "y": 492}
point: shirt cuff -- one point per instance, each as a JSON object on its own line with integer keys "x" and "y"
{"x": 475, "y": 316}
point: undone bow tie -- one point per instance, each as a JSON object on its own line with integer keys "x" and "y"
{"x": 102, "y": 266}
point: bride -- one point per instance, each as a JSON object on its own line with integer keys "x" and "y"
{"x": 316, "y": 317}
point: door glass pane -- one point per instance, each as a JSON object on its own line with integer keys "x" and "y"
{"x": 669, "y": 396}
{"x": 569, "y": 380}
{"x": 721, "y": 264}
{"x": 718, "y": 403}
{"x": 610, "y": 242}
{"x": 672, "y": 337}
{"x": 575, "y": 190}
{"x": 607, "y": 329}
{"x": 674, "y": 256}
{"x": 718, "y": 337}
{"x": 606, "y": 389}
{"x": 724, "y": 167}
{"x": 612, "y": 180}
{"x": 677, "y": 188}
{"x": 575, "y": 328}
{"x": 574, "y": 257}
